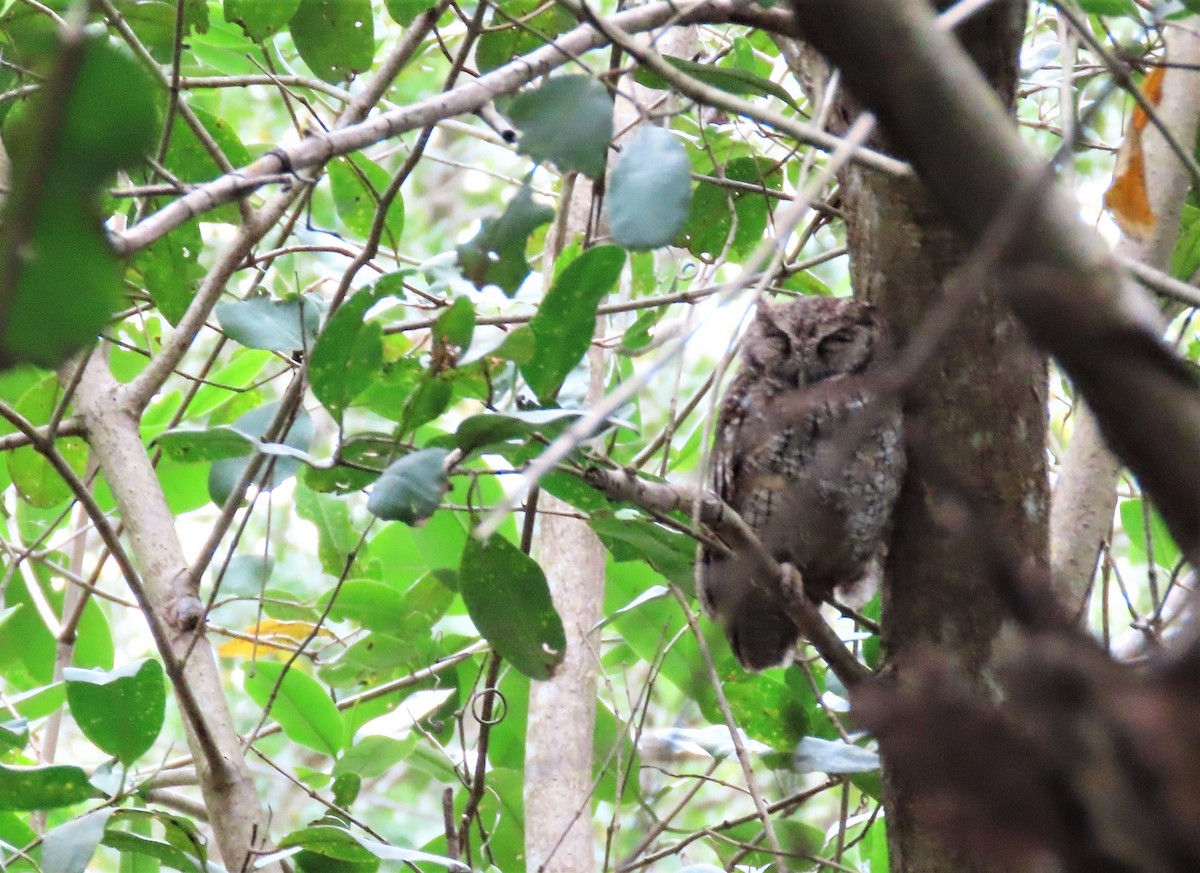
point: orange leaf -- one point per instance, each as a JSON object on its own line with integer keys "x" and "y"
{"x": 1127, "y": 199}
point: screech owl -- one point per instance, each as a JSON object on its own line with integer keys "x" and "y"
{"x": 799, "y": 383}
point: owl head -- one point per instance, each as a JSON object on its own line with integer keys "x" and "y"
{"x": 811, "y": 339}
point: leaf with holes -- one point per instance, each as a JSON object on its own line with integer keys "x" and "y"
{"x": 496, "y": 255}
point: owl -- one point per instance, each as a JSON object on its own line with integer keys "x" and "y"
{"x": 826, "y": 512}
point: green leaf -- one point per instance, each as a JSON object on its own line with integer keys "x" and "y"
{"x": 225, "y": 473}
{"x": 348, "y": 356}
{"x": 411, "y": 488}
{"x": 62, "y": 288}
{"x": 1166, "y": 552}
{"x": 496, "y": 255}
{"x": 38, "y": 483}
{"x": 190, "y": 445}
{"x": 566, "y": 320}
{"x": 30, "y": 788}
{"x": 456, "y": 325}
{"x": 153, "y": 21}
{"x": 14, "y": 734}
{"x": 1112, "y": 7}
{"x": 508, "y": 599}
{"x": 171, "y": 270}
{"x": 336, "y": 537}
{"x": 374, "y": 605}
{"x": 134, "y": 843}
{"x": 650, "y": 190}
{"x": 121, "y": 711}
{"x": 69, "y": 847}
{"x": 346, "y": 788}
{"x": 1185, "y": 260}
{"x": 260, "y": 19}
{"x": 490, "y": 428}
{"x": 275, "y": 325}
{"x": 766, "y": 706}
{"x": 710, "y": 221}
{"x": 357, "y": 183}
{"x": 372, "y": 756}
{"x": 638, "y": 335}
{"x": 189, "y": 160}
{"x": 371, "y": 451}
{"x": 302, "y": 707}
{"x": 336, "y": 38}
{"x": 356, "y": 853}
{"x": 669, "y": 552}
{"x": 517, "y": 27}
{"x": 567, "y": 121}
{"x": 729, "y": 79}
{"x": 405, "y": 12}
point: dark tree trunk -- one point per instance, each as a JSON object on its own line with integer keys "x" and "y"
{"x": 976, "y": 420}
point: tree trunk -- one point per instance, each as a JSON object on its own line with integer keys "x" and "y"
{"x": 975, "y": 420}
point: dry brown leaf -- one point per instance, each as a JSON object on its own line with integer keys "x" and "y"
{"x": 1127, "y": 199}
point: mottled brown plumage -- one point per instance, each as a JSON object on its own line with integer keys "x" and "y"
{"x": 827, "y": 513}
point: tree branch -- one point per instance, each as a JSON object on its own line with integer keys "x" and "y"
{"x": 463, "y": 100}
{"x": 940, "y": 113}
{"x": 621, "y": 485}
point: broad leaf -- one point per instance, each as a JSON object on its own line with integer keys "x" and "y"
{"x": 59, "y": 278}
{"x": 517, "y": 27}
{"x": 567, "y": 121}
{"x": 121, "y": 711}
{"x": 357, "y": 183}
{"x": 509, "y": 601}
{"x": 189, "y": 445}
{"x": 302, "y": 707}
{"x": 348, "y": 356}
{"x": 814, "y": 755}
{"x": 275, "y": 325}
{"x": 336, "y": 38}
{"x": 411, "y": 488}
{"x": 28, "y": 788}
{"x": 496, "y": 255}
{"x": 69, "y": 847}
{"x": 225, "y": 474}
{"x": 730, "y": 79}
{"x": 710, "y": 221}
{"x": 650, "y": 190}
{"x": 260, "y": 18}
{"x": 566, "y": 320}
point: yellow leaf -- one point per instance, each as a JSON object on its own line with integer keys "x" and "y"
{"x": 270, "y": 634}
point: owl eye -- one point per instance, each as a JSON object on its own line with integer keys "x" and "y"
{"x": 840, "y": 346}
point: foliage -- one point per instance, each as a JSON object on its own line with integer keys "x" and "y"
{"x": 410, "y": 334}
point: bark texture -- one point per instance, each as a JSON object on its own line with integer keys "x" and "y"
{"x": 975, "y": 421}
{"x": 239, "y": 823}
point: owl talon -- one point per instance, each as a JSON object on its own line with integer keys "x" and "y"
{"x": 791, "y": 581}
